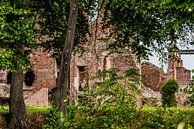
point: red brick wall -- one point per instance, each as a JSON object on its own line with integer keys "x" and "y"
{"x": 94, "y": 63}
{"x": 40, "y": 97}
{"x": 123, "y": 61}
{"x": 183, "y": 76}
{"x": 43, "y": 66}
{"x": 152, "y": 76}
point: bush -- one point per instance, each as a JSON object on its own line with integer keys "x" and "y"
{"x": 107, "y": 105}
{"x": 113, "y": 115}
{"x": 168, "y": 93}
{"x": 189, "y": 91}
{"x": 163, "y": 118}
{"x": 53, "y": 119}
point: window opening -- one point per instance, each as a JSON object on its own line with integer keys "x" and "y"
{"x": 29, "y": 78}
{"x": 9, "y": 77}
{"x": 82, "y": 77}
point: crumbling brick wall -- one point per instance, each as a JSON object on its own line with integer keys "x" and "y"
{"x": 94, "y": 63}
{"x": 152, "y": 76}
{"x": 40, "y": 97}
{"x": 43, "y": 67}
{"x": 124, "y": 61}
{"x": 178, "y": 72}
{"x": 45, "y": 70}
{"x": 183, "y": 76}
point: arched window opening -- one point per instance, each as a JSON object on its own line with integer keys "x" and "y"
{"x": 29, "y": 78}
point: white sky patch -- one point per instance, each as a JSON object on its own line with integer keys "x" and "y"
{"x": 188, "y": 62}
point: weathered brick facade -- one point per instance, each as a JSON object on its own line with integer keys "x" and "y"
{"x": 89, "y": 64}
{"x": 44, "y": 69}
{"x": 183, "y": 76}
{"x": 152, "y": 76}
{"x": 86, "y": 65}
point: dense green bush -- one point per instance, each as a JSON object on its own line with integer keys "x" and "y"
{"x": 121, "y": 117}
{"x": 189, "y": 91}
{"x": 168, "y": 93}
{"x": 163, "y": 118}
{"x": 107, "y": 105}
{"x": 53, "y": 119}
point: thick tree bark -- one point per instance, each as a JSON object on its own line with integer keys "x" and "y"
{"x": 17, "y": 105}
{"x": 63, "y": 79}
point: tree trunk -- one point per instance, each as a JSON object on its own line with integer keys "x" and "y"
{"x": 63, "y": 79}
{"x": 17, "y": 105}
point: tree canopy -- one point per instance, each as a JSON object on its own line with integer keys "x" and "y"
{"x": 54, "y": 19}
{"x": 17, "y": 34}
{"x": 144, "y": 26}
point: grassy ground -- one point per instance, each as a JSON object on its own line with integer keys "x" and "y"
{"x": 44, "y": 109}
{"x": 187, "y": 112}
{"x": 30, "y": 109}
{"x": 187, "y": 109}
{"x": 37, "y": 118}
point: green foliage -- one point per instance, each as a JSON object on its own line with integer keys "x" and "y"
{"x": 162, "y": 118}
{"x": 149, "y": 101}
{"x": 29, "y": 109}
{"x": 85, "y": 117}
{"x": 54, "y": 18}
{"x": 117, "y": 115}
{"x": 22, "y": 22}
{"x": 107, "y": 105}
{"x": 170, "y": 116}
{"x": 144, "y": 26}
{"x": 189, "y": 90}
{"x": 168, "y": 93}
{"x": 54, "y": 119}
{"x": 16, "y": 33}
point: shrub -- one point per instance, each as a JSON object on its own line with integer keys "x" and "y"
{"x": 106, "y": 105}
{"x": 163, "y": 118}
{"x": 189, "y": 91}
{"x": 168, "y": 93}
{"x": 53, "y": 119}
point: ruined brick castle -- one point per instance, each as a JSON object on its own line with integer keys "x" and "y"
{"x": 41, "y": 78}
{"x": 44, "y": 73}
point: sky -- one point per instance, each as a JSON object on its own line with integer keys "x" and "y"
{"x": 188, "y": 61}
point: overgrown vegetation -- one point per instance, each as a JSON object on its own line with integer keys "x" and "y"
{"x": 190, "y": 95}
{"x": 110, "y": 105}
{"x": 29, "y": 109}
{"x": 168, "y": 93}
{"x": 149, "y": 118}
{"x": 106, "y": 105}
{"x": 145, "y": 117}
{"x": 164, "y": 118}
{"x": 189, "y": 91}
